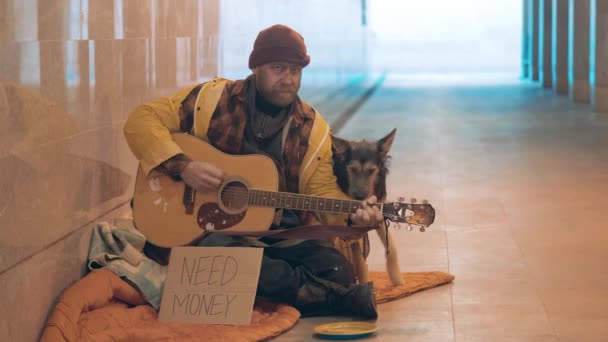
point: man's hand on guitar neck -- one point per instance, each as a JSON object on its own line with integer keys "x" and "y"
{"x": 368, "y": 214}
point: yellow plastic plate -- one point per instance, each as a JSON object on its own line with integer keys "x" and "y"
{"x": 345, "y": 330}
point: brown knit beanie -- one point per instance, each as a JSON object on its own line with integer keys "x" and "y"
{"x": 278, "y": 43}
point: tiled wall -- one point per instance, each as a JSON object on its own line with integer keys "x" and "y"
{"x": 70, "y": 72}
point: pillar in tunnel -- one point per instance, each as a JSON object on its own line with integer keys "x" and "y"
{"x": 534, "y": 35}
{"x": 599, "y": 43}
{"x": 525, "y": 40}
{"x": 579, "y": 50}
{"x": 545, "y": 65}
{"x": 560, "y": 46}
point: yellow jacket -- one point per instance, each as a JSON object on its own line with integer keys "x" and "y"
{"x": 149, "y": 127}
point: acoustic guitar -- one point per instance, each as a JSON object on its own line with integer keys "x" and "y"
{"x": 170, "y": 213}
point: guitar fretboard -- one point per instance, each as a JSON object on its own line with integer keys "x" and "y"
{"x": 262, "y": 198}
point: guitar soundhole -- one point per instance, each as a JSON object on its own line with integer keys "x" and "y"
{"x": 234, "y": 197}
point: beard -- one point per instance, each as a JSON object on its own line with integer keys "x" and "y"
{"x": 278, "y": 95}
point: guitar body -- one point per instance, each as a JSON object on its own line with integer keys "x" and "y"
{"x": 161, "y": 205}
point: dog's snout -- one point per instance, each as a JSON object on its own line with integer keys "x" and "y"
{"x": 359, "y": 195}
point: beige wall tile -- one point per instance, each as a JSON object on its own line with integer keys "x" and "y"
{"x": 78, "y": 83}
{"x": 101, "y": 19}
{"x": 137, "y": 18}
{"x": 4, "y": 328}
{"x": 62, "y": 20}
{"x": 165, "y": 64}
{"x": 106, "y": 102}
{"x": 136, "y": 72}
{"x": 36, "y": 283}
{"x": 195, "y": 59}
{"x": 184, "y": 61}
{"x": 186, "y": 18}
{"x": 18, "y": 20}
{"x": 20, "y": 63}
{"x": 6, "y": 21}
{"x": 40, "y": 210}
{"x": 209, "y": 57}
{"x": 32, "y": 119}
{"x": 53, "y": 60}
{"x": 165, "y": 20}
{"x": 9, "y": 54}
{"x": 210, "y": 10}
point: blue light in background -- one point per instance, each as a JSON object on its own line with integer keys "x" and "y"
{"x": 570, "y": 40}
{"x": 592, "y": 40}
{"x": 553, "y": 35}
{"x": 92, "y": 63}
{"x": 72, "y": 75}
{"x": 541, "y": 38}
{"x": 446, "y": 36}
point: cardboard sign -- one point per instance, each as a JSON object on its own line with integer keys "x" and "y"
{"x": 211, "y": 285}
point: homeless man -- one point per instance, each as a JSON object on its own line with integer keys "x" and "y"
{"x": 263, "y": 114}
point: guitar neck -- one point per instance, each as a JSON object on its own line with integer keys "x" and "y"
{"x": 286, "y": 200}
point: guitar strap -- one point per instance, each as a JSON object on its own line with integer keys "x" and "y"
{"x": 314, "y": 232}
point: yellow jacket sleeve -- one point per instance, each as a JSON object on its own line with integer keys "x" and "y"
{"x": 323, "y": 183}
{"x": 149, "y": 127}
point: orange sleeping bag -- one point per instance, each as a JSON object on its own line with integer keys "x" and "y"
{"x": 102, "y": 307}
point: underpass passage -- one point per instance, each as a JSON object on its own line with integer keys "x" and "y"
{"x": 518, "y": 177}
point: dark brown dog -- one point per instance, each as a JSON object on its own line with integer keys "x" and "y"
{"x": 361, "y": 168}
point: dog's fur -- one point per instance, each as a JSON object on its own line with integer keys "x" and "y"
{"x": 361, "y": 169}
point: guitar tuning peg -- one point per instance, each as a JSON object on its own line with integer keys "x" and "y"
{"x": 398, "y": 226}
{"x": 400, "y": 199}
{"x": 422, "y": 229}
{"x": 413, "y": 200}
{"x": 425, "y": 201}
{"x": 409, "y": 228}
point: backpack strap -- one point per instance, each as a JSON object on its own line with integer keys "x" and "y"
{"x": 206, "y": 102}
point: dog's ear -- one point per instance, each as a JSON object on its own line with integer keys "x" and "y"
{"x": 340, "y": 145}
{"x": 384, "y": 144}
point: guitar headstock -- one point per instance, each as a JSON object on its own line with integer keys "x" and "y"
{"x": 412, "y": 213}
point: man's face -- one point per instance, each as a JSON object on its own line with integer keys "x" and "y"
{"x": 278, "y": 82}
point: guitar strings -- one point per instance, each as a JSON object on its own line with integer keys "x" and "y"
{"x": 238, "y": 193}
{"x": 242, "y": 194}
{"x": 256, "y": 192}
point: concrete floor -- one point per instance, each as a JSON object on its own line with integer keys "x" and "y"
{"x": 519, "y": 179}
